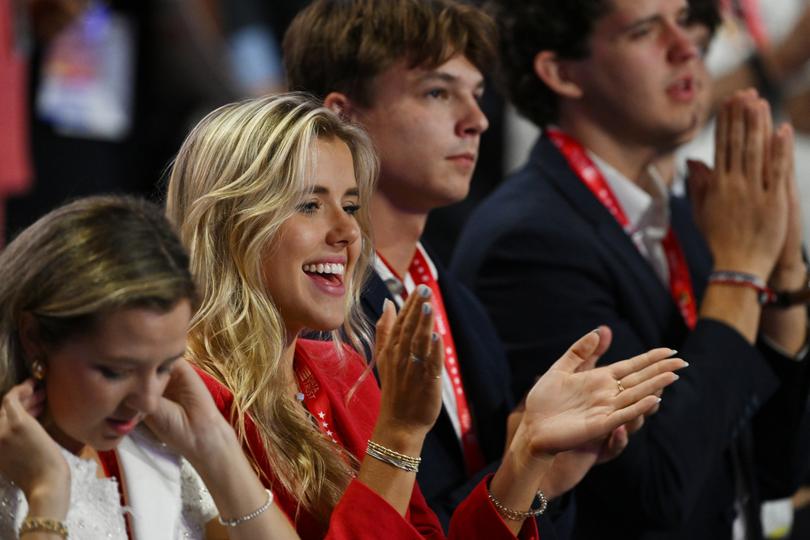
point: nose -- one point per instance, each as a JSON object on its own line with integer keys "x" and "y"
{"x": 682, "y": 46}
{"x": 472, "y": 122}
{"x": 343, "y": 229}
{"x": 145, "y": 396}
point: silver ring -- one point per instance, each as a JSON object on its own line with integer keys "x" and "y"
{"x": 413, "y": 358}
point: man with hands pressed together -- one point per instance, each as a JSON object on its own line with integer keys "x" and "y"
{"x": 583, "y": 236}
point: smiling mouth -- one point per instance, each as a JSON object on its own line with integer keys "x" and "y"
{"x": 328, "y": 276}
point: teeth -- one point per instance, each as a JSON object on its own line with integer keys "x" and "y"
{"x": 325, "y": 268}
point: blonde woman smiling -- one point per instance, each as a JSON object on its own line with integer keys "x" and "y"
{"x": 270, "y": 196}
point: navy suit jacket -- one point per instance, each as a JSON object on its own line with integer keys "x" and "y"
{"x": 550, "y": 263}
{"x": 442, "y": 476}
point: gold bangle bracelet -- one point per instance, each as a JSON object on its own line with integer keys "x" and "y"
{"x": 39, "y": 524}
{"x": 394, "y": 454}
{"x": 394, "y": 462}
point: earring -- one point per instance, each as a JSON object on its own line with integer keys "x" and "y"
{"x": 38, "y": 369}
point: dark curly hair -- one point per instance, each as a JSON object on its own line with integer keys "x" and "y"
{"x": 705, "y": 12}
{"x": 526, "y": 28}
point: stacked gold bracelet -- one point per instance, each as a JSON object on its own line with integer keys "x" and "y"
{"x": 38, "y": 524}
{"x": 393, "y": 458}
{"x": 519, "y": 515}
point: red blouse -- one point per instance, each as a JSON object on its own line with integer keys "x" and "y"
{"x": 361, "y": 512}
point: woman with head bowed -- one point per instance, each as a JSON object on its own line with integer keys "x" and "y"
{"x": 95, "y": 301}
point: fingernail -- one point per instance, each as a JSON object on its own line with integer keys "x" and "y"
{"x": 434, "y": 337}
{"x": 424, "y": 291}
{"x": 659, "y": 400}
{"x": 387, "y": 302}
{"x": 676, "y": 376}
{"x": 685, "y": 363}
{"x": 595, "y": 330}
{"x": 673, "y": 352}
{"x": 426, "y": 309}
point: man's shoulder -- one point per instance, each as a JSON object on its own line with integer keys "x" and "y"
{"x": 528, "y": 208}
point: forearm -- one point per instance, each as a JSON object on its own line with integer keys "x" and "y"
{"x": 517, "y": 480}
{"x": 48, "y": 502}
{"x": 786, "y": 328}
{"x": 389, "y": 482}
{"x": 735, "y": 306}
{"x": 237, "y": 491}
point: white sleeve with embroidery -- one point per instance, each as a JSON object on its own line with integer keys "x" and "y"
{"x": 94, "y": 512}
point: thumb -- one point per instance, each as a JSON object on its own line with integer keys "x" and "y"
{"x": 605, "y": 338}
{"x": 697, "y": 179}
{"x": 578, "y": 353}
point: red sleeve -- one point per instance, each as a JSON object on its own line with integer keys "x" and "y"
{"x": 362, "y": 513}
{"x": 476, "y": 517}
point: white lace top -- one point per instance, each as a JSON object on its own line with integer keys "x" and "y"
{"x": 157, "y": 482}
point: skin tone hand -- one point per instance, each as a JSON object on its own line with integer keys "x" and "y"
{"x": 742, "y": 206}
{"x": 568, "y": 408}
{"x": 411, "y": 393}
{"x": 570, "y": 467}
{"x": 30, "y": 458}
{"x": 787, "y": 327}
{"x": 188, "y": 421}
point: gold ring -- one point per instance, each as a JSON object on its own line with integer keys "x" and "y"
{"x": 619, "y": 387}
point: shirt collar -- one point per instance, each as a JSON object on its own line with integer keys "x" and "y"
{"x": 395, "y": 286}
{"x": 646, "y": 204}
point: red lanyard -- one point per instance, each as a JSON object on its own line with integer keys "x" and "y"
{"x": 316, "y": 401}
{"x": 680, "y": 283}
{"x": 422, "y": 274}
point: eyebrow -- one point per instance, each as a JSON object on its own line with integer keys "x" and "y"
{"x": 658, "y": 17}
{"x": 443, "y": 76}
{"x": 321, "y": 190}
{"x": 137, "y": 362}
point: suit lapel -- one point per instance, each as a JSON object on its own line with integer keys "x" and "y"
{"x": 616, "y": 243}
{"x": 374, "y": 294}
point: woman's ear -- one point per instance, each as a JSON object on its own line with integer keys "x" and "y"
{"x": 556, "y": 74}
{"x": 29, "y": 335}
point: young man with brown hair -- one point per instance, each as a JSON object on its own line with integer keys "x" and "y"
{"x": 583, "y": 235}
{"x": 410, "y": 72}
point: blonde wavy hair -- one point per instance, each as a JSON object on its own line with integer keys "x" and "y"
{"x": 80, "y": 262}
{"x": 238, "y": 176}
